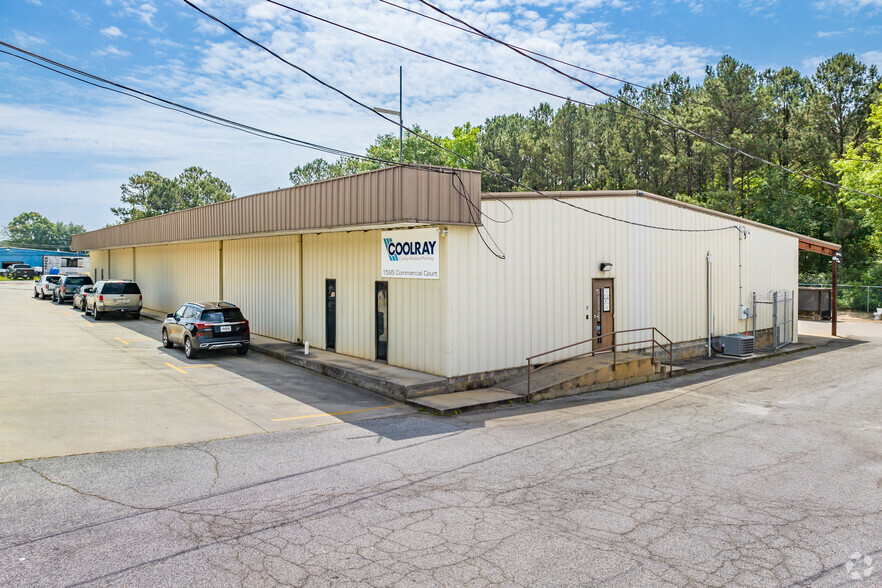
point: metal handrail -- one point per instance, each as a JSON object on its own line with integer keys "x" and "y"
{"x": 669, "y": 349}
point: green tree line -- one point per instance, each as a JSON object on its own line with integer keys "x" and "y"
{"x": 820, "y": 125}
{"x": 35, "y": 231}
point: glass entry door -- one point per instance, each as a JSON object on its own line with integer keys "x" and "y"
{"x": 330, "y": 314}
{"x": 382, "y": 308}
{"x": 604, "y": 324}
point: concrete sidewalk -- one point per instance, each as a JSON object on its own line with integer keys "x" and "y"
{"x": 388, "y": 380}
{"x": 432, "y": 392}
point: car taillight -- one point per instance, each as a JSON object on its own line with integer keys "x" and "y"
{"x": 247, "y": 327}
{"x": 199, "y": 327}
{"x": 64, "y": 288}
{"x": 140, "y": 298}
{"x": 101, "y": 298}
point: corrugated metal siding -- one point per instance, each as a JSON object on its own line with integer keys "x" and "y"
{"x": 416, "y": 307}
{"x": 122, "y": 264}
{"x": 262, "y": 276}
{"x": 385, "y": 196}
{"x": 170, "y": 275}
{"x": 98, "y": 262}
{"x": 537, "y": 299}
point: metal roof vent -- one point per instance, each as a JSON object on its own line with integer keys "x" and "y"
{"x": 737, "y": 345}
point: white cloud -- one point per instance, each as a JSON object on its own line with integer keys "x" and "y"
{"x": 112, "y": 50}
{"x": 872, "y": 57}
{"x": 112, "y": 32}
{"x": 81, "y": 18}
{"x": 142, "y": 10}
{"x": 26, "y": 40}
{"x": 224, "y": 75}
{"x": 849, "y": 5}
{"x": 810, "y": 64}
{"x": 828, "y": 34}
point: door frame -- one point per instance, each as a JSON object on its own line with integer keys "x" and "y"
{"x": 379, "y": 286}
{"x": 598, "y": 297}
{"x": 330, "y": 338}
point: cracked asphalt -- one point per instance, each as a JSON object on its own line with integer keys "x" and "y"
{"x": 765, "y": 475}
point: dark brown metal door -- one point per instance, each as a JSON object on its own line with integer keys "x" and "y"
{"x": 382, "y": 314}
{"x": 602, "y": 316}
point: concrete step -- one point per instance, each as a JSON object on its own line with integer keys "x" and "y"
{"x": 391, "y": 381}
{"x": 457, "y": 401}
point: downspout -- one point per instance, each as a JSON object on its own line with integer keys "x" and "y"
{"x": 220, "y": 270}
{"x": 300, "y": 291}
{"x": 741, "y": 231}
{"x": 710, "y": 328}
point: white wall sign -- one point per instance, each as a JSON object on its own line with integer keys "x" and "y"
{"x": 413, "y": 254}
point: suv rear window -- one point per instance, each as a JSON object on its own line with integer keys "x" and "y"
{"x": 227, "y": 315}
{"x": 79, "y": 281}
{"x": 121, "y": 288}
{"x": 53, "y": 279}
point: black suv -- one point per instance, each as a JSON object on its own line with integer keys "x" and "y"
{"x": 67, "y": 286}
{"x": 202, "y": 326}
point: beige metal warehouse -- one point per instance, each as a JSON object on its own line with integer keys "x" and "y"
{"x": 313, "y": 263}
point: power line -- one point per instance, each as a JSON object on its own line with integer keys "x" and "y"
{"x": 537, "y": 54}
{"x": 648, "y": 113}
{"x": 432, "y": 141}
{"x": 451, "y": 63}
{"x": 177, "y": 107}
{"x": 153, "y": 100}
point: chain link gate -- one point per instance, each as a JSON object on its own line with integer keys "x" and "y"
{"x": 780, "y": 305}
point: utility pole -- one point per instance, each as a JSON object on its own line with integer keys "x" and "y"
{"x": 398, "y": 113}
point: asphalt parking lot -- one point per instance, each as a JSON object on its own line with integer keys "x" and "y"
{"x": 71, "y": 385}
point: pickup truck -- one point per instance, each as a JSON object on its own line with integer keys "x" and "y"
{"x": 20, "y": 271}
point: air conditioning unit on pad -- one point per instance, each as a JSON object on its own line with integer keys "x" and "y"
{"x": 737, "y": 344}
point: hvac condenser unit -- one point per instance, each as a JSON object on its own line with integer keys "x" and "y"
{"x": 737, "y": 344}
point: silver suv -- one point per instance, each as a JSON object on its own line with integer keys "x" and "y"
{"x": 114, "y": 296}
{"x": 43, "y": 289}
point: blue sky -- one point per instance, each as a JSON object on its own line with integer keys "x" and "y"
{"x": 65, "y": 148}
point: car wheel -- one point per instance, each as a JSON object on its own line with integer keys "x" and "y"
{"x": 189, "y": 350}
{"x": 97, "y": 314}
{"x": 136, "y": 315}
{"x": 242, "y": 350}
{"x": 42, "y": 296}
{"x": 54, "y": 298}
{"x": 165, "y": 340}
{"x": 36, "y": 294}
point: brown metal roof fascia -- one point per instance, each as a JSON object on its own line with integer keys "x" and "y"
{"x": 390, "y": 195}
{"x": 651, "y": 196}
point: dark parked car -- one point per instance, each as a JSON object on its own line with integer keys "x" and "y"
{"x": 67, "y": 286}
{"x": 79, "y": 299}
{"x": 114, "y": 296}
{"x": 20, "y": 271}
{"x": 206, "y": 325}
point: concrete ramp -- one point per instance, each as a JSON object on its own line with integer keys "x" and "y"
{"x": 583, "y": 374}
{"x": 575, "y": 376}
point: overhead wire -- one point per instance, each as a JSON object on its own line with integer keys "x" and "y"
{"x": 463, "y": 191}
{"x": 451, "y": 63}
{"x": 196, "y": 113}
{"x": 660, "y": 118}
{"x": 435, "y": 143}
{"x": 536, "y": 53}
{"x": 106, "y": 84}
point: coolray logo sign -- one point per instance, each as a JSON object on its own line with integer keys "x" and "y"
{"x": 412, "y": 254}
{"x": 387, "y": 243}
